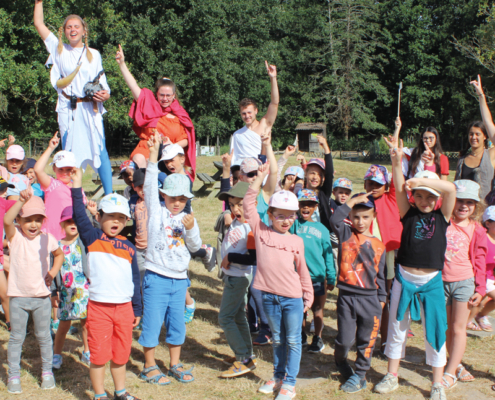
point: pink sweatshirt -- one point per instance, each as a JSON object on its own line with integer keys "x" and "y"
{"x": 282, "y": 268}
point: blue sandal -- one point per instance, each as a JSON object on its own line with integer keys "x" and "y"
{"x": 155, "y": 380}
{"x": 179, "y": 375}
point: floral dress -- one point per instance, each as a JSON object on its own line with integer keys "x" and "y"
{"x": 74, "y": 293}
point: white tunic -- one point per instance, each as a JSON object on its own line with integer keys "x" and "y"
{"x": 245, "y": 143}
{"x": 83, "y": 127}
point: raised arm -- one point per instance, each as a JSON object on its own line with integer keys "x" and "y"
{"x": 485, "y": 111}
{"x": 38, "y": 19}
{"x": 129, "y": 79}
{"x": 271, "y": 114}
{"x": 327, "y": 185}
{"x": 11, "y": 215}
{"x": 400, "y": 190}
{"x": 271, "y": 182}
{"x": 39, "y": 167}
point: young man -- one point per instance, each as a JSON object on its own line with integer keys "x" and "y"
{"x": 246, "y": 142}
{"x": 362, "y": 291}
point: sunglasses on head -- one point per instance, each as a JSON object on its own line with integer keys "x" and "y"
{"x": 252, "y": 174}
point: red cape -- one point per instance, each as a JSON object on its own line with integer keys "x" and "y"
{"x": 146, "y": 112}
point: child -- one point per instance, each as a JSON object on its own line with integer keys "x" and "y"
{"x": 57, "y": 191}
{"x": 464, "y": 273}
{"x": 341, "y": 190}
{"x": 114, "y": 306}
{"x": 361, "y": 283}
{"x": 14, "y": 160}
{"x": 72, "y": 288}
{"x": 139, "y": 214}
{"x": 319, "y": 259}
{"x": 291, "y": 176}
{"x": 29, "y": 282}
{"x": 172, "y": 235}
{"x": 127, "y": 169}
{"x": 421, "y": 258}
{"x": 289, "y": 151}
{"x": 238, "y": 257}
{"x": 283, "y": 278}
{"x": 28, "y": 171}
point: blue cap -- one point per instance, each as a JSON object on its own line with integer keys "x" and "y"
{"x": 295, "y": 170}
{"x": 370, "y": 203}
{"x": 177, "y": 185}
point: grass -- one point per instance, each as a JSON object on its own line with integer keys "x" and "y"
{"x": 206, "y": 346}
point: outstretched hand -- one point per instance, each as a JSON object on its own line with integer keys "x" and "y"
{"x": 227, "y": 159}
{"x": 271, "y": 69}
{"x": 119, "y": 57}
{"x": 264, "y": 170}
{"x": 266, "y": 137}
{"x": 54, "y": 141}
{"x": 360, "y": 199}
{"x": 477, "y": 86}
{"x": 396, "y": 153}
{"x": 322, "y": 141}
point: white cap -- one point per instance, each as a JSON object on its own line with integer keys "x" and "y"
{"x": 170, "y": 151}
{"x": 285, "y": 200}
{"x": 63, "y": 159}
{"x": 427, "y": 175}
{"x": 115, "y": 203}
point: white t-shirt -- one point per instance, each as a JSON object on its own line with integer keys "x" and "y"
{"x": 238, "y": 239}
{"x": 245, "y": 143}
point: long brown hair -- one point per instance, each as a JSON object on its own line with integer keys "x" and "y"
{"x": 61, "y": 32}
{"x": 420, "y": 149}
{"x": 479, "y": 125}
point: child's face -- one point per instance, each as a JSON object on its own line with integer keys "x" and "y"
{"x": 31, "y": 226}
{"x": 127, "y": 176}
{"x": 375, "y": 187}
{"x": 341, "y": 195}
{"x": 306, "y": 209}
{"x": 14, "y": 165}
{"x": 139, "y": 190}
{"x": 70, "y": 228}
{"x": 250, "y": 177}
{"x": 314, "y": 177}
{"x": 235, "y": 177}
{"x": 235, "y": 204}
{"x": 424, "y": 200}
{"x": 490, "y": 227}
{"x": 291, "y": 187}
{"x": 64, "y": 174}
{"x": 174, "y": 204}
{"x": 112, "y": 223}
{"x": 464, "y": 208}
{"x": 176, "y": 164}
{"x": 282, "y": 220}
{"x": 31, "y": 176}
{"x": 362, "y": 218}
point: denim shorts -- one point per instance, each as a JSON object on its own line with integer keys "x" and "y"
{"x": 461, "y": 291}
{"x": 319, "y": 288}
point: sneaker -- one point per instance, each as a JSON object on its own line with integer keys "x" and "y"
{"x": 437, "y": 392}
{"x": 312, "y": 327}
{"x": 388, "y": 384}
{"x": 239, "y": 368}
{"x": 57, "y": 361}
{"x": 316, "y": 345}
{"x": 125, "y": 396}
{"x": 86, "y": 357}
{"x": 14, "y": 385}
{"x": 272, "y": 386}
{"x": 304, "y": 339}
{"x": 189, "y": 313}
{"x": 262, "y": 339}
{"x": 287, "y": 392}
{"x": 345, "y": 370}
{"x": 47, "y": 381}
{"x": 354, "y": 384}
{"x": 210, "y": 260}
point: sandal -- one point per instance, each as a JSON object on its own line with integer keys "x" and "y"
{"x": 179, "y": 375}
{"x": 463, "y": 374}
{"x": 155, "y": 379}
{"x": 484, "y": 323}
{"x": 471, "y": 326}
{"x": 446, "y": 383}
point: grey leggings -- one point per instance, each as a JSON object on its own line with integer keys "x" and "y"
{"x": 20, "y": 308}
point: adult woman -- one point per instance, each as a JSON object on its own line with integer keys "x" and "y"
{"x": 80, "y": 119}
{"x": 162, "y": 112}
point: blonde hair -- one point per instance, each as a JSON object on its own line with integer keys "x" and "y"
{"x": 61, "y": 32}
{"x": 478, "y": 212}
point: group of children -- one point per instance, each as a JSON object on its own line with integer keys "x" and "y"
{"x": 284, "y": 243}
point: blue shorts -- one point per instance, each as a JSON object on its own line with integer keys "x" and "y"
{"x": 318, "y": 288}
{"x": 164, "y": 300}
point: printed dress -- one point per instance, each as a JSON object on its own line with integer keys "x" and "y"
{"x": 74, "y": 291}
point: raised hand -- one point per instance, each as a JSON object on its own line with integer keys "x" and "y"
{"x": 77, "y": 176}
{"x": 266, "y": 137}
{"x": 322, "y": 141}
{"x": 166, "y": 140}
{"x": 428, "y": 156}
{"x": 11, "y": 140}
{"x": 398, "y": 124}
{"x": 119, "y": 57}
{"x": 54, "y": 141}
{"x": 227, "y": 159}
{"x": 188, "y": 221}
{"x": 289, "y": 180}
{"x": 289, "y": 150}
{"x": 25, "y": 195}
{"x": 301, "y": 159}
{"x": 264, "y": 169}
{"x": 271, "y": 69}
{"x": 154, "y": 143}
{"x": 92, "y": 207}
{"x": 396, "y": 153}
{"x": 2, "y": 142}
{"x": 477, "y": 86}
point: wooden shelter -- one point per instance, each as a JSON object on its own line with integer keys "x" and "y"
{"x": 306, "y": 136}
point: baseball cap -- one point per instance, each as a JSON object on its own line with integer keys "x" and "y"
{"x": 125, "y": 165}
{"x": 285, "y": 200}
{"x": 138, "y": 176}
{"x": 177, "y": 185}
{"x": 307, "y": 195}
{"x": 63, "y": 159}
{"x": 4, "y": 184}
{"x": 370, "y": 203}
{"x": 115, "y": 203}
{"x": 250, "y": 164}
{"x": 67, "y": 213}
{"x": 427, "y": 175}
{"x": 34, "y": 206}
{"x": 30, "y": 163}
{"x": 467, "y": 189}
{"x": 317, "y": 161}
{"x": 170, "y": 151}
{"x": 239, "y": 190}
{"x": 15, "y": 151}
{"x": 342, "y": 183}
{"x": 489, "y": 214}
{"x": 377, "y": 173}
{"x": 295, "y": 170}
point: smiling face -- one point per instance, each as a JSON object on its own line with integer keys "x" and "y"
{"x": 476, "y": 138}
{"x": 361, "y": 218}
{"x": 74, "y": 32}
{"x": 111, "y": 223}
{"x": 376, "y": 188}
{"x": 235, "y": 205}
{"x": 430, "y": 139}
{"x": 250, "y": 177}
{"x": 282, "y": 220}
{"x": 174, "y": 204}
{"x": 463, "y": 209}
{"x": 341, "y": 195}
{"x": 70, "y": 228}
{"x": 306, "y": 209}
{"x": 165, "y": 95}
{"x": 248, "y": 114}
{"x": 31, "y": 226}
{"x": 127, "y": 176}
{"x": 314, "y": 177}
{"x": 64, "y": 174}
{"x": 14, "y": 165}
{"x": 424, "y": 200}
{"x": 31, "y": 176}
{"x": 176, "y": 164}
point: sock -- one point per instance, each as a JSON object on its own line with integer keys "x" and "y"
{"x": 394, "y": 374}
{"x": 120, "y": 392}
{"x": 193, "y": 305}
{"x": 99, "y": 396}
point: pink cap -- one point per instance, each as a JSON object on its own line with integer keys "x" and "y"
{"x": 15, "y": 151}
{"x": 317, "y": 161}
{"x": 284, "y": 199}
{"x": 34, "y": 206}
{"x": 66, "y": 214}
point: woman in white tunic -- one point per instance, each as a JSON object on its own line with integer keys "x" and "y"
{"x": 81, "y": 129}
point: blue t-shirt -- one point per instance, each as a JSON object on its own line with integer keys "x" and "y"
{"x": 37, "y": 190}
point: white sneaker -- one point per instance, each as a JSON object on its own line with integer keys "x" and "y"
{"x": 388, "y": 384}
{"x": 438, "y": 392}
{"x": 272, "y": 386}
{"x": 57, "y": 361}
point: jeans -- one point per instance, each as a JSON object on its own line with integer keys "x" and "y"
{"x": 232, "y": 315}
{"x": 285, "y": 316}
{"x": 255, "y": 308}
